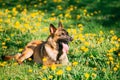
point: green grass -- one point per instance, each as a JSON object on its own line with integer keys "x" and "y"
{"x": 94, "y": 54}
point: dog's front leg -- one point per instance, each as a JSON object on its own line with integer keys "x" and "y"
{"x": 25, "y": 54}
{"x": 64, "y": 59}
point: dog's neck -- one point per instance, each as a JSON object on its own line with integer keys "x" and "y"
{"x": 53, "y": 43}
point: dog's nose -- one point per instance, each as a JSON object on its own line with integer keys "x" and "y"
{"x": 71, "y": 39}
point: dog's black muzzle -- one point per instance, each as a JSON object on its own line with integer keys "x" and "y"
{"x": 69, "y": 39}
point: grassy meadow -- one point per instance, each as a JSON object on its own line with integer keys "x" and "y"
{"x": 94, "y": 24}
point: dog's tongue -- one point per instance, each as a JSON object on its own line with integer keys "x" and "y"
{"x": 65, "y": 48}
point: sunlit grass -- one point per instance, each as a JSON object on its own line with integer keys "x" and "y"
{"x": 94, "y": 54}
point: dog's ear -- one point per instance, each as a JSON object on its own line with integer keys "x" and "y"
{"x": 60, "y": 25}
{"x": 52, "y": 29}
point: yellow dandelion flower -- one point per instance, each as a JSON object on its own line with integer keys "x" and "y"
{"x": 60, "y": 15}
{"x": 94, "y": 68}
{"x": 67, "y": 15}
{"x": 85, "y": 11}
{"x": 80, "y": 25}
{"x": 6, "y": 11}
{"x": 9, "y": 16}
{"x": 59, "y": 72}
{"x": 82, "y": 39}
{"x": 83, "y": 48}
{"x": 26, "y": 25}
{"x": 87, "y": 75}
{"x": 44, "y": 59}
{"x": 117, "y": 65}
{"x": 39, "y": 19}
{"x": 53, "y": 14}
{"x": 8, "y": 21}
{"x": 20, "y": 50}
{"x": 108, "y": 62}
{"x": 59, "y": 1}
{"x": 119, "y": 54}
{"x": 55, "y": 1}
{"x": 101, "y": 39}
{"x": 103, "y": 69}
{"x": 78, "y": 16}
{"x": 94, "y": 75}
{"x": 18, "y": 6}
{"x": 4, "y": 62}
{"x": 30, "y": 70}
{"x": 110, "y": 58}
{"x": 59, "y": 7}
{"x": 50, "y": 77}
{"x": 17, "y": 24}
{"x": 53, "y": 67}
{"x": 44, "y": 67}
{"x": 101, "y": 32}
{"x": 8, "y": 39}
{"x": 118, "y": 39}
{"x": 81, "y": 28}
{"x": 80, "y": 36}
{"x": 91, "y": 56}
{"x": 40, "y": 73}
{"x": 75, "y": 63}
{"x": 2, "y": 65}
{"x": 111, "y": 31}
{"x": 12, "y": 35}
{"x": 109, "y": 54}
{"x": 68, "y": 68}
{"x": 15, "y": 63}
{"x": 115, "y": 69}
{"x": 45, "y": 2}
{"x": 114, "y": 37}
{"x": 117, "y": 45}
{"x": 1, "y": 20}
{"x": 35, "y": 5}
{"x": 38, "y": 24}
{"x": 14, "y": 9}
{"x": 1, "y": 29}
{"x": 30, "y": 59}
{"x": 52, "y": 19}
{"x": 44, "y": 79}
{"x": 111, "y": 50}
{"x": 3, "y": 43}
{"x": 86, "y": 43}
{"x": 4, "y": 47}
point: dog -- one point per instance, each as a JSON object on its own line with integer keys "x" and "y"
{"x": 52, "y": 51}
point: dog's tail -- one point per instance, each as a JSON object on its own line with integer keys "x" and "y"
{"x": 10, "y": 57}
{"x": 6, "y": 58}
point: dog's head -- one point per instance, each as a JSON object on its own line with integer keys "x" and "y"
{"x": 61, "y": 36}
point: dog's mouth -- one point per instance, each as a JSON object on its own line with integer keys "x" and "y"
{"x": 65, "y": 47}
{"x": 63, "y": 44}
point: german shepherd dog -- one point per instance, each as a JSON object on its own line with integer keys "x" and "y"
{"x": 52, "y": 51}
